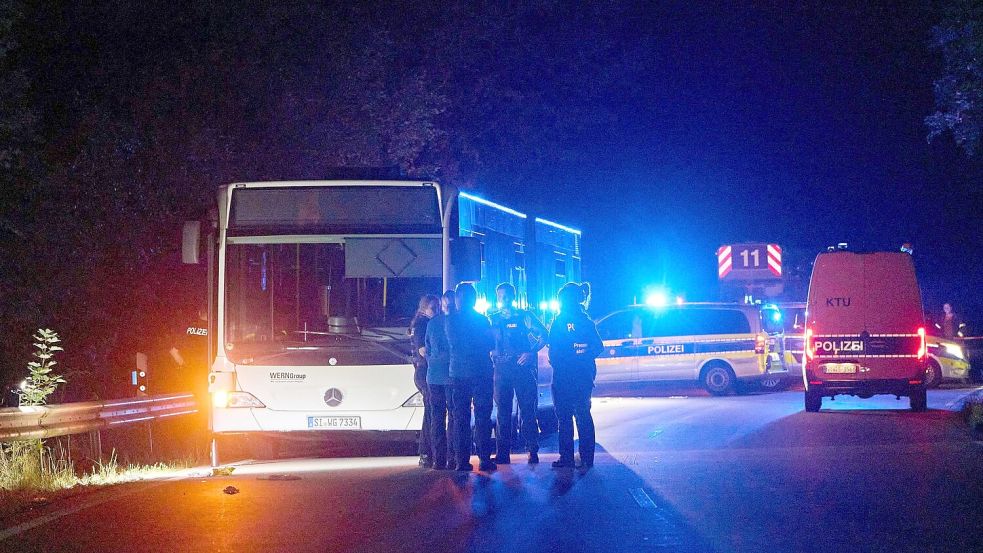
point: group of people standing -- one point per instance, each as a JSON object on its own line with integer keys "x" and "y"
{"x": 466, "y": 362}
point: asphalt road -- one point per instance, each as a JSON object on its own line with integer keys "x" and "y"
{"x": 680, "y": 472}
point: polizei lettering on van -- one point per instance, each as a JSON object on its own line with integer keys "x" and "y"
{"x": 666, "y": 349}
{"x": 836, "y": 347}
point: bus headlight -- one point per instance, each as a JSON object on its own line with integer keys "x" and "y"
{"x": 954, "y": 350}
{"x": 416, "y": 400}
{"x": 235, "y": 400}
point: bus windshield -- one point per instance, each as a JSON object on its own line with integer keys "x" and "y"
{"x": 280, "y": 299}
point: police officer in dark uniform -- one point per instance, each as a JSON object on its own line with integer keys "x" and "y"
{"x": 470, "y": 339}
{"x": 427, "y": 308}
{"x": 574, "y": 345}
{"x": 518, "y": 338}
{"x": 439, "y": 381}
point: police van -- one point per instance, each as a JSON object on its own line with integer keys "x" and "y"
{"x": 718, "y": 344}
{"x": 865, "y": 329}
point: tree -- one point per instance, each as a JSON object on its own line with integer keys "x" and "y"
{"x": 959, "y": 90}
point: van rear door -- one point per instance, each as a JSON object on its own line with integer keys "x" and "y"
{"x": 893, "y": 300}
{"x": 836, "y": 305}
{"x": 893, "y": 315}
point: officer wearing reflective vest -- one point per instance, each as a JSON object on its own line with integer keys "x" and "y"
{"x": 574, "y": 345}
{"x": 518, "y": 338}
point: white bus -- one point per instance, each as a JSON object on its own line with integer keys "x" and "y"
{"x": 314, "y": 283}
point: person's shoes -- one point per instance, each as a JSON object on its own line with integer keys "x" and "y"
{"x": 466, "y": 467}
{"x": 533, "y": 458}
{"x": 563, "y": 464}
{"x": 487, "y": 465}
{"x": 425, "y": 462}
{"x": 439, "y": 466}
{"x": 502, "y": 460}
{"x": 585, "y": 466}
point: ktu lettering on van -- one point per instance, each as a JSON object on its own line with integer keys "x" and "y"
{"x": 837, "y": 302}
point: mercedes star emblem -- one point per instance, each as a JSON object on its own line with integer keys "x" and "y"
{"x": 333, "y": 397}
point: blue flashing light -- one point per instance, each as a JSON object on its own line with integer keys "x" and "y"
{"x": 555, "y": 306}
{"x": 656, "y": 299}
{"x": 544, "y": 305}
{"x": 492, "y": 204}
{"x": 557, "y": 225}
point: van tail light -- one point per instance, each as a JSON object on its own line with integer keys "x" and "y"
{"x": 810, "y": 352}
{"x": 922, "y": 345}
{"x": 759, "y": 343}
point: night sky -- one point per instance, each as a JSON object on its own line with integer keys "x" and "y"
{"x": 797, "y": 125}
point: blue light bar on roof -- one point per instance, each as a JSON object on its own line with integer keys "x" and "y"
{"x": 558, "y": 226}
{"x": 499, "y": 207}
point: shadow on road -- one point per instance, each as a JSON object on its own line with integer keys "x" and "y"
{"x": 531, "y": 508}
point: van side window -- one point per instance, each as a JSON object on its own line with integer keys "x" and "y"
{"x": 730, "y": 321}
{"x": 718, "y": 321}
{"x": 623, "y": 325}
{"x": 671, "y": 322}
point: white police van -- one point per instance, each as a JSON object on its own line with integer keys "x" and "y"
{"x": 718, "y": 344}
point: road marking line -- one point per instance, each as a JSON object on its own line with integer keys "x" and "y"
{"x": 32, "y": 524}
{"x": 642, "y": 498}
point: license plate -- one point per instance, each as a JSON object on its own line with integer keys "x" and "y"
{"x": 840, "y": 368}
{"x": 335, "y": 423}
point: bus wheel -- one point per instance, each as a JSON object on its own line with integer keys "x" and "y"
{"x": 718, "y": 379}
{"x": 919, "y": 399}
{"x": 933, "y": 374}
{"x": 814, "y": 402}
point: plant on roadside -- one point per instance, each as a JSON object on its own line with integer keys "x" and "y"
{"x": 28, "y": 463}
{"x": 41, "y": 383}
{"x": 973, "y": 411}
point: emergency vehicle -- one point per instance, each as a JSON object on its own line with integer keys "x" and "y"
{"x": 718, "y": 344}
{"x": 865, "y": 329}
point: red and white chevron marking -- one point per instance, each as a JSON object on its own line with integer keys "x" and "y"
{"x": 775, "y": 259}
{"x": 724, "y": 261}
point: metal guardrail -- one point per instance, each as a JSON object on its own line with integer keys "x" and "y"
{"x": 48, "y": 421}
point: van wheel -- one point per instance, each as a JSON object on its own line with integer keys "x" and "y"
{"x": 919, "y": 399}
{"x": 933, "y": 375}
{"x": 718, "y": 379}
{"x": 814, "y": 402}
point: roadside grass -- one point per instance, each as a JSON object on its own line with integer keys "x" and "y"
{"x": 29, "y": 466}
{"x": 973, "y": 412}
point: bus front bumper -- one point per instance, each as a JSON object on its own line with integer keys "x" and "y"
{"x": 409, "y": 419}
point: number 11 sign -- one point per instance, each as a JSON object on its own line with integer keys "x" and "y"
{"x": 749, "y": 262}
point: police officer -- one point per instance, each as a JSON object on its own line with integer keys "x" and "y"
{"x": 426, "y": 309}
{"x": 470, "y": 340}
{"x": 574, "y": 345}
{"x": 518, "y": 338}
{"x": 437, "y": 352}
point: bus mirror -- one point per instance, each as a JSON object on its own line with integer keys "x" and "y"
{"x": 191, "y": 242}
{"x": 466, "y": 259}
